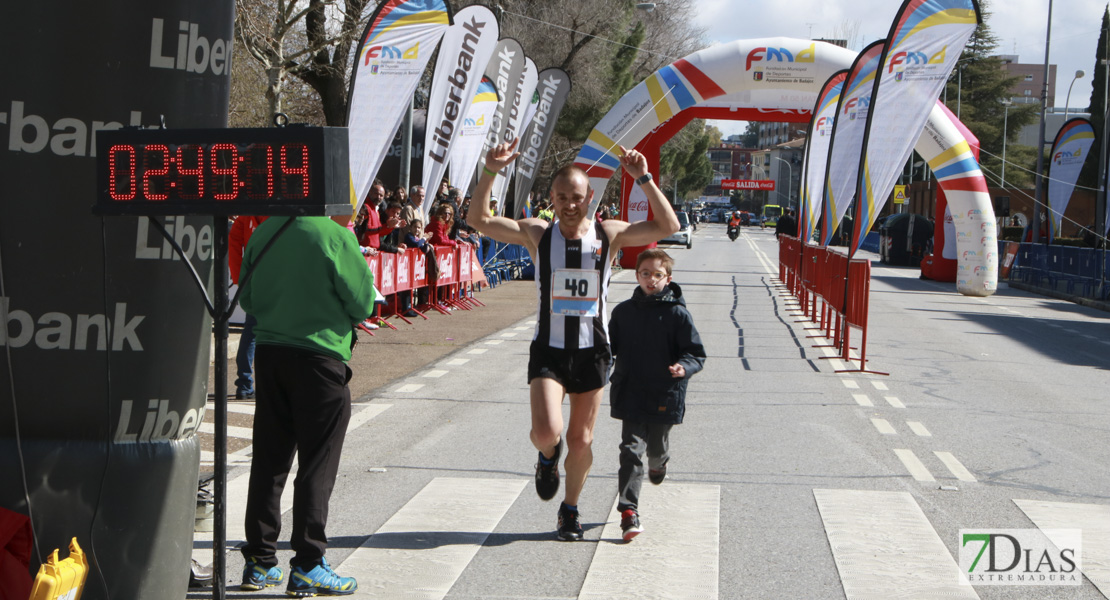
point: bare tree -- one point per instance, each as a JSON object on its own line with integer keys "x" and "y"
{"x": 312, "y": 40}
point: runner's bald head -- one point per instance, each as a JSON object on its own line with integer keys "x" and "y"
{"x": 573, "y": 174}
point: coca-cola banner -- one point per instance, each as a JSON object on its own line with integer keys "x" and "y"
{"x": 105, "y": 332}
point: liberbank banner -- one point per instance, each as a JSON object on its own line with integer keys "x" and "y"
{"x": 551, "y": 95}
{"x": 463, "y": 56}
{"x": 1069, "y": 152}
{"x": 516, "y": 104}
{"x": 818, "y": 142}
{"x": 847, "y": 138}
{"x": 105, "y": 334}
{"x": 398, "y": 43}
{"x": 924, "y": 44}
{"x": 504, "y": 70}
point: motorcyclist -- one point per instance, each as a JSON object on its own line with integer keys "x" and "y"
{"x": 734, "y": 225}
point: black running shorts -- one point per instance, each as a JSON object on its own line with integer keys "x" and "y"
{"x": 577, "y": 371}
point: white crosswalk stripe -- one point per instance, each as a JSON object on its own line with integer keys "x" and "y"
{"x": 677, "y": 555}
{"x": 1093, "y": 519}
{"x": 885, "y": 547}
{"x": 421, "y": 551}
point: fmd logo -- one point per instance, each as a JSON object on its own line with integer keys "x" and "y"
{"x": 858, "y": 103}
{"x": 973, "y": 212}
{"x": 391, "y": 52}
{"x": 472, "y": 123}
{"x": 1059, "y": 157}
{"x": 902, "y": 60}
{"x": 784, "y": 55}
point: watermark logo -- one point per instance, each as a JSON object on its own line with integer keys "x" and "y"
{"x": 1021, "y": 557}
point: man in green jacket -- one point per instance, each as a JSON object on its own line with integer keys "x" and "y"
{"x": 306, "y": 292}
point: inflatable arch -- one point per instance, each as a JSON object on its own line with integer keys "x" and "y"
{"x": 778, "y": 79}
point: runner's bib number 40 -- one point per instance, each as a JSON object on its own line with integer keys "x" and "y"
{"x": 574, "y": 292}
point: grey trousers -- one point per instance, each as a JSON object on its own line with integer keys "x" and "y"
{"x": 637, "y": 438}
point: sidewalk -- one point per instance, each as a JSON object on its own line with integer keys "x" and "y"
{"x": 390, "y": 355}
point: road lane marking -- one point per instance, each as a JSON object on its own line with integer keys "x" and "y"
{"x": 883, "y": 426}
{"x": 918, "y": 428}
{"x": 241, "y": 408}
{"x": 509, "y": 334}
{"x": 894, "y": 401}
{"x": 408, "y": 388}
{"x": 850, "y": 384}
{"x": 914, "y": 465}
{"x": 955, "y": 466}
{"x": 885, "y": 547}
{"x": 434, "y": 374}
{"x": 423, "y": 548}
{"x": 677, "y": 556}
{"x": 495, "y": 342}
{"x": 862, "y": 400}
{"x": 879, "y": 385}
{"x": 457, "y": 362}
{"x": 523, "y": 329}
{"x": 1093, "y": 519}
{"x": 478, "y": 351}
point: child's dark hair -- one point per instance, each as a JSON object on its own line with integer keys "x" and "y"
{"x": 653, "y": 253}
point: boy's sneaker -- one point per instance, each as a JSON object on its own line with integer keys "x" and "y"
{"x": 258, "y": 577}
{"x": 656, "y": 476}
{"x": 320, "y": 579}
{"x": 547, "y": 476}
{"x": 570, "y": 529}
{"x": 630, "y": 524}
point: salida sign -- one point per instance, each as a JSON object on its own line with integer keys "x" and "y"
{"x": 748, "y": 184}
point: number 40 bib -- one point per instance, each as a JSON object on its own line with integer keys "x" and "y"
{"x": 574, "y": 292}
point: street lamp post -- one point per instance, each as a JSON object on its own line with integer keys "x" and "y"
{"x": 1078, "y": 75}
{"x": 789, "y": 180}
{"x": 1005, "y": 122}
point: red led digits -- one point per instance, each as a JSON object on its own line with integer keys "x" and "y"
{"x": 190, "y": 170}
{"x": 158, "y": 156}
{"x": 120, "y": 173}
{"x": 225, "y": 171}
{"x": 260, "y": 171}
{"x": 288, "y": 189}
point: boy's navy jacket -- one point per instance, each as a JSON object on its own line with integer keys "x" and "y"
{"x": 648, "y": 334}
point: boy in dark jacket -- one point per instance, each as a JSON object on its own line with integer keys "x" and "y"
{"x": 657, "y": 348}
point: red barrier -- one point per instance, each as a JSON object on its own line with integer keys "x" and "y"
{"x": 408, "y": 272}
{"x": 834, "y": 292}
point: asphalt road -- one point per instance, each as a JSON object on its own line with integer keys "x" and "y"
{"x": 787, "y": 480}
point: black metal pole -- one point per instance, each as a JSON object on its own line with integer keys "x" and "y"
{"x": 1036, "y": 220}
{"x": 219, "y": 328}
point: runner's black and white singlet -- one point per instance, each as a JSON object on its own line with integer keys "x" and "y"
{"x": 572, "y": 277}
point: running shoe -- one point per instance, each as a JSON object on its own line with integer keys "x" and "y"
{"x": 630, "y": 524}
{"x": 656, "y": 476}
{"x": 570, "y": 528}
{"x": 547, "y": 476}
{"x": 320, "y": 579}
{"x": 256, "y": 576}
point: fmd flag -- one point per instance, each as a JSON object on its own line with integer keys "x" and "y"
{"x": 1069, "y": 152}
{"x": 847, "y": 138}
{"x": 924, "y": 44}
{"x": 818, "y": 143}
{"x": 472, "y": 136}
{"x": 398, "y": 43}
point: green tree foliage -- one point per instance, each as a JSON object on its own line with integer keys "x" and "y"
{"x": 1097, "y": 107}
{"x": 979, "y": 93}
{"x": 685, "y": 159}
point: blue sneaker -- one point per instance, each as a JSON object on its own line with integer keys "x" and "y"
{"x": 320, "y": 579}
{"x": 258, "y": 577}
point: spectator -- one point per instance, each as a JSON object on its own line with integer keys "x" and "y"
{"x": 414, "y": 208}
{"x": 394, "y": 241}
{"x": 440, "y": 227}
{"x": 238, "y": 237}
{"x": 786, "y": 225}
{"x": 372, "y": 227}
{"x": 307, "y": 292}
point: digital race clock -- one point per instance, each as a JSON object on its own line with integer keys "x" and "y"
{"x": 293, "y": 170}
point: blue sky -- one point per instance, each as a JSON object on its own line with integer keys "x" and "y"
{"x": 1019, "y": 25}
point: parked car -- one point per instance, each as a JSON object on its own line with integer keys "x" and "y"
{"x": 685, "y": 233}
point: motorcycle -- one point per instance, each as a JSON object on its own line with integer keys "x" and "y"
{"x": 733, "y": 232}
